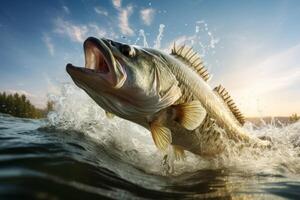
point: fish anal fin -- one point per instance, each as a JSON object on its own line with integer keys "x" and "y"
{"x": 192, "y": 59}
{"x": 109, "y": 115}
{"x": 178, "y": 152}
{"x": 221, "y": 91}
{"x": 190, "y": 115}
{"x": 161, "y": 135}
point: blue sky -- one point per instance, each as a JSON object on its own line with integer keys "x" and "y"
{"x": 251, "y": 47}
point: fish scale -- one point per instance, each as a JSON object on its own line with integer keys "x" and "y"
{"x": 222, "y": 116}
{"x": 168, "y": 94}
{"x": 207, "y": 133}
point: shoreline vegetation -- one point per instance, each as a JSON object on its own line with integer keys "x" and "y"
{"x": 18, "y": 105}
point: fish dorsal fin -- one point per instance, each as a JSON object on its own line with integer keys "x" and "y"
{"x": 192, "y": 59}
{"x": 221, "y": 91}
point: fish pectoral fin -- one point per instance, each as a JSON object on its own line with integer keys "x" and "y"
{"x": 161, "y": 135}
{"x": 109, "y": 115}
{"x": 190, "y": 115}
{"x": 178, "y": 152}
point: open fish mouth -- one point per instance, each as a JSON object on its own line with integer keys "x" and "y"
{"x": 100, "y": 61}
{"x": 94, "y": 58}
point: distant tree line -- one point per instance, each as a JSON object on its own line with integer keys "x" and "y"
{"x": 19, "y": 106}
{"x": 294, "y": 118}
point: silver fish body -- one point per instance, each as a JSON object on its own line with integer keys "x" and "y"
{"x": 163, "y": 93}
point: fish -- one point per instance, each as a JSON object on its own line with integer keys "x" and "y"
{"x": 166, "y": 93}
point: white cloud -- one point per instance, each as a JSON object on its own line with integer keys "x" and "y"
{"x": 49, "y": 44}
{"x": 101, "y": 11}
{"x": 78, "y": 32}
{"x": 124, "y": 15}
{"x": 66, "y": 9}
{"x": 117, "y": 3}
{"x": 95, "y": 30}
{"x": 147, "y": 15}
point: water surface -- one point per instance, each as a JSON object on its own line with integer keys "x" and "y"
{"x": 77, "y": 153}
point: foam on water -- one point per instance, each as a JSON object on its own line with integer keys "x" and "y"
{"x": 74, "y": 110}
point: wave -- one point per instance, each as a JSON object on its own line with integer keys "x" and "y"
{"x": 131, "y": 143}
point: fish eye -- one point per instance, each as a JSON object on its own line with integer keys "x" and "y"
{"x": 128, "y": 50}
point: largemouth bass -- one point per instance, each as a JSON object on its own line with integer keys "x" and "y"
{"x": 168, "y": 94}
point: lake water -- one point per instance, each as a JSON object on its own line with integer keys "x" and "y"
{"x": 77, "y": 153}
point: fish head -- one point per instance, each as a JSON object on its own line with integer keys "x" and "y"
{"x": 126, "y": 80}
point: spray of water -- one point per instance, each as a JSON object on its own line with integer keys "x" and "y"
{"x": 159, "y": 36}
{"x": 142, "y": 34}
{"x": 74, "y": 110}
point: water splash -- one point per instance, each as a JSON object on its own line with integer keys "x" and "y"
{"x": 159, "y": 36}
{"x": 202, "y": 39}
{"x": 142, "y": 34}
{"x": 74, "y": 110}
{"x": 157, "y": 42}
